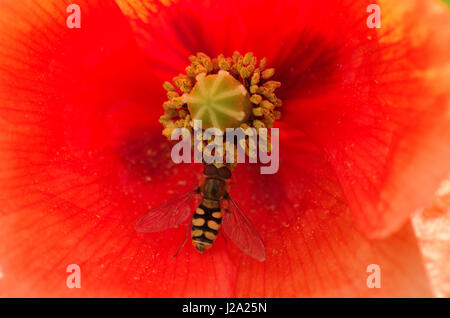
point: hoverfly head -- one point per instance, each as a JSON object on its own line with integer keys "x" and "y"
{"x": 224, "y": 172}
{"x": 210, "y": 170}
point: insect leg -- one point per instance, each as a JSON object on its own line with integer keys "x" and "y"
{"x": 224, "y": 238}
{"x": 227, "y": 208}
{"x": 184, "y": 242}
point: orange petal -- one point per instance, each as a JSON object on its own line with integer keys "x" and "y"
{"x": 432, "y": 229}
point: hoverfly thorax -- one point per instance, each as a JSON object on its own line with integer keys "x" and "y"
{"x": 215, "y": 183}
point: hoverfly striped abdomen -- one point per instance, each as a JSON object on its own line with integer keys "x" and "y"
{"x": 205, "y": 226}
{"x": 207, "y": 219}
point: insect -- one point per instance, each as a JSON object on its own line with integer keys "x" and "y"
{"x": 211, "y": 215}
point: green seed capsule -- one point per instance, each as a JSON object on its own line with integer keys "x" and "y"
{"x": 219, "y": 101}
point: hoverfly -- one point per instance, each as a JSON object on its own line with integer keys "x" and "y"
{"x": 210, "y": 216}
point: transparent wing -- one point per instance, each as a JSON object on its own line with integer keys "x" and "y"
{"x": 168, "y": 215}
{"x": 239, "y": 229}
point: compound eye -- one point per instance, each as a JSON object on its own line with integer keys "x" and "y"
{"x": 225, "y": 173}
{"x": 210, "y": 170}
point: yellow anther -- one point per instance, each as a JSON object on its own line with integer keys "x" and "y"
{"x": 195, "y": 69}
{"x": 268, "y": 73}
{"x": 272, "y": 85}
{"x": 262, "y": 64}
{"x": 250, "y": 69}
{"x": 183, "y": 113}
{"x": 254, "y": 89}
{"x": 164, "y": 119}
{"x": 266, "y": 104}
{"x": 168, "y": 105}
{"x": 256, "y": 77}
{"x": 236, "y": 56}
{"x": 223, "y": 63}
{"x": 277, "y": 115}
{"x": 248, "y": 58}
{"x": 177, "y": 102}
{"x": 192, "y": 58}
{"x": 168, "y": 87}
{"x": 258, "y": 124}
{"x": 258, "y": 112}
{"x": 271, "y": 97}
{"x": 183, "y": 83}
{"x": 206, "y": 61}
{"x": 278, "y": 103}
{"x": 243, "y": 72}
{"x": 172, "y": 94}
{"x": 256, "y": 99}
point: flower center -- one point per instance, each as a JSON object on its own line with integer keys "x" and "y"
{"x": 222, "y": 92}
{"x": 219, "y": 101}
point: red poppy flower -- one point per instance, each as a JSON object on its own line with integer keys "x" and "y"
{"x": 364, "y": 140}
